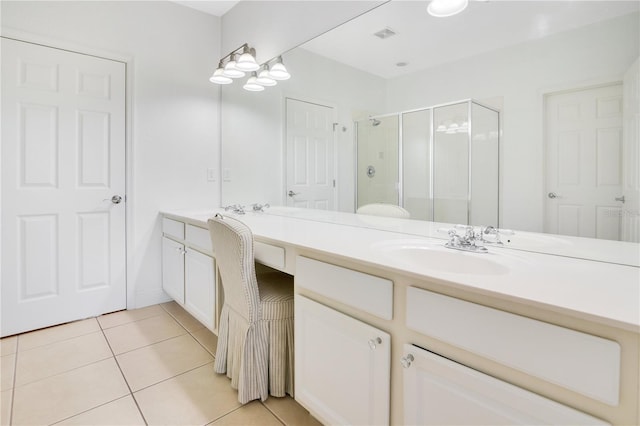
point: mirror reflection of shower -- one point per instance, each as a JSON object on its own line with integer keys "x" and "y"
{"x": 377, "y": 161}
{"x": 439, "y": 163}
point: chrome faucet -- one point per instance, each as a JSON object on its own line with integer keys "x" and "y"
{"x": 473, "y": 239}
{"x": 235, "y": 208}
{"x": 469, "y": 240}
{"x": 260, "y": 207}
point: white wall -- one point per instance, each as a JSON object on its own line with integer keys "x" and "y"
{"x": 522, "y": 75}
{"x": 274, "y": 27}
{"x": 175, "y": 127}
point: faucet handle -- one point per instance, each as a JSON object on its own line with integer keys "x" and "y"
{"x": 259, "y": 207}
{"x": 491, "y": 230}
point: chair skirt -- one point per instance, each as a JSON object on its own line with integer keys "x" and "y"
{"x": 258, "y": 358}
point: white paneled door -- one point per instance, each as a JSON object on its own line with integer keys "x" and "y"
{"x": 310, "y": 155}
{"x": 63, "y": 186}
{"x": 584, "y": 163}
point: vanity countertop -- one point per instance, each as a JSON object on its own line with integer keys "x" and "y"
{"x": 607, "y": 293}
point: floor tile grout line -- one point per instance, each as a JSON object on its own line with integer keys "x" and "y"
{"x": 63, "y": 372}
{"x": 146, "y": 346}
{"x": 174, "y": 376}
{"x": 191, "y": 332}
{"x": 124, "y": 377}
{"x": 273, "y": 412}
{"x": 61, "y": 340}
{"x": 128, "y": 322}
{"x": 13, "y": 384}
{"x": 89, "y": 409}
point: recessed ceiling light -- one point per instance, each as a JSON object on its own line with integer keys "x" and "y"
{"x": 385, "y": 33}
{"x": 444, "y": 8}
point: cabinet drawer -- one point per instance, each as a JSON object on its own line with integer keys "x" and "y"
{"x": 362, "y": 291}
{"x": 269, "y": 255}
{"x": 173, "y": 228}
{"x": 581, "y": 362}
{"x": 198, "y": 237}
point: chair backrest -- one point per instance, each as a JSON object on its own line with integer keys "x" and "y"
{"x": 379, "y": 209}
{"x": 232, "y": 243}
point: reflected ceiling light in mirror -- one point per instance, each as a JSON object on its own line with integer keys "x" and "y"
{"x": 444, "y": 8}
{"x": 231, "y": 70}
{"x": 252, "y": 84}
{"x": 264, "y": 79}
{"x": 247, "y": 61}
{"x": 278, "y": 71}
{"x": 218, "y": 76}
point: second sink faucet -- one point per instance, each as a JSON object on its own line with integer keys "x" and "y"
{"x": 473, "y": 239}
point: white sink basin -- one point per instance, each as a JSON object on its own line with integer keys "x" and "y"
{"x": 428, "y": 256}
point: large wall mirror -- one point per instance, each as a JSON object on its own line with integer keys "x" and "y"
{"x": 558, "y": 72}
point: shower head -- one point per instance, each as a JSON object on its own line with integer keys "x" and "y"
{"x": 375, "y": 121}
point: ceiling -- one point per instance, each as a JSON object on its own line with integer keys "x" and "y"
{"x": 422, "y": 41}
{"x": 216, "y": 7}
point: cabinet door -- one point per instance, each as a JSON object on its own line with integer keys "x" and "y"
{"x": 438, "y": 391}
{"x": 173, "y": 269}
{"x": 341, "y": 365}
{"x": 200, "y": 287}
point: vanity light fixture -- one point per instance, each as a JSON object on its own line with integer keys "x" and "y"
{"x": 231, "y": 70}
{"x": 264, "y": 79}
{"x": 444, "y": 8}
{"x": 243, "y": 59}
{"x": 278, "y": 71}
{"x": 247, "y": 61}
{"x": 218, "y": 76}
{"x": 252, "y": 84}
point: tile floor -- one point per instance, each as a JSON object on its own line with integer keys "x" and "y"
{"x": 145, "y": 366}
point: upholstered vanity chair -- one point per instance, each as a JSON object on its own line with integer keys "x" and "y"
{"x": 255, "y": 341}
{"x": 380, "y": 209}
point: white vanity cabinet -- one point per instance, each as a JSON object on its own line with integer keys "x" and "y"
{"x": 438, "y": 391}
{"x": 342, "y": 366}
{"x": 173, "y": 269}
{"x": 188, "y": 271}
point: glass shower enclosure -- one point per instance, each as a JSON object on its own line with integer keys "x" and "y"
{"x": 441, "y": 163}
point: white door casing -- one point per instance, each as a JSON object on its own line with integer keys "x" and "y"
{"x": 631, "y": 154}
{"x": 309, "y": 155}
{"x": 63, "y": 161}
{"x": 584, "y": 162}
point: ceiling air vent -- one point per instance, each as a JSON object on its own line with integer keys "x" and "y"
{"x": 385, "y": 33}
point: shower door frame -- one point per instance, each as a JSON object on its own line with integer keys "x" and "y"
{"x": 431, "y": 109}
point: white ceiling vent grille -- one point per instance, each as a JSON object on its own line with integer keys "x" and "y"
{"x": 385, "y": 33}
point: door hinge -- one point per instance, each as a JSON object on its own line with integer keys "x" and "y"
{"x": 334, "y": 183}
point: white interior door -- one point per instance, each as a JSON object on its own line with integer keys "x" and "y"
{"x": 310, "y": 155}
{"x": 631, "y": 154}
{"x": 63, "y": 161}
{"x": 584, "y": 162}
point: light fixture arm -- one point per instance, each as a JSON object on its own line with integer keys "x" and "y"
{"x": 244, "y": 47}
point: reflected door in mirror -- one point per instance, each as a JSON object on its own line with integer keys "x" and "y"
{"x": 310, "y": 167}
{"x": 584, "y": 162}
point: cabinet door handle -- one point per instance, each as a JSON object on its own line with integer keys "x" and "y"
{"x": 373, "y": 343}
{"x": 406, "y": 361}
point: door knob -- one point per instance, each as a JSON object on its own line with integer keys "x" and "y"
{"x": 620, "y": 199}
{"x": 116, "y": 199}
{"x": 292, "y": 194}
{"x": 552, "y": 195}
